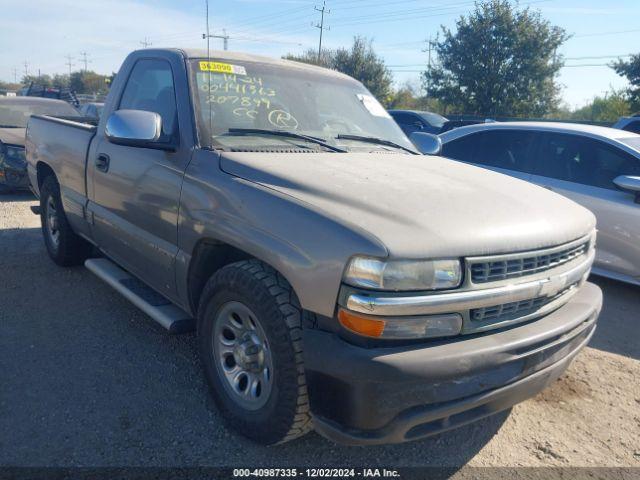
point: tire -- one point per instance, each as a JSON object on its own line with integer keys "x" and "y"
{"x": 63, "y": 245}
{"x": 265, "y": 306}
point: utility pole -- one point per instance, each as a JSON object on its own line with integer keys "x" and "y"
{"x": 26, "y": 68}
{"x": 69, "y": 64}
{"x": 321, "y": 26}
{"x": 430, "y": 45}
{"x": 146, "y": 43}
{"x": 84, "y": 60}
{"x": 15, "y": 75}
{"x": 225, "y": 38}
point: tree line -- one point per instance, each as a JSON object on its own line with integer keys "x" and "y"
{"x": 498, "y": 61}
{"x": 82, "y": 81}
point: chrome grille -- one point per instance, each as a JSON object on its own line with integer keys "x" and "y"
{"x": 493, "y": 271}
{"x": 509, "y": 311}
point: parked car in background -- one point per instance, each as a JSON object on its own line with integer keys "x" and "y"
{"x": 92, "y": 110}
{"x": 14, "y": 115}
{"x": 630, "y": 124}
{"x": 338, "y": 280}
{"x": 418, "y": 121}
{"x": 597, "y": 167}
{"x": 55, "y": 93}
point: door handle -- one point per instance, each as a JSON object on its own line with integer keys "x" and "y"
{"x": 102, "y": 162}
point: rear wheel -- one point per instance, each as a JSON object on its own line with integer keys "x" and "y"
{"x": 250, "y": 338}
{"x": 63, "y": 245}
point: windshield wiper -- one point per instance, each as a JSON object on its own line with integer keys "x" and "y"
{"x": 377, "y": 141}
{"x": 284, "y": 133}
{"x": 10, "y": 126}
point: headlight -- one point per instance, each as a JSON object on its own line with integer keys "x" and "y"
{"x": 14, "y": 157}
{"x": 403, "y": 275}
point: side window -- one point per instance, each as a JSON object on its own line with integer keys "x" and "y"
{"x": 577, "y": 159}
{"x": 462, "y": 148}
{"x": 408, "y": 122}
{"x": 508, "y": 149}
{"x": 633, "y": 126}
{"x": 405, "y": 119}
{"x": 150, "y": 87}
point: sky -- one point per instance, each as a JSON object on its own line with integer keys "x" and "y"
{"x": 50, "y": 34}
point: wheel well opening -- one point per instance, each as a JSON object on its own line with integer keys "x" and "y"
{"x": 209, "y": 257}
{"x": 43, "y": 171}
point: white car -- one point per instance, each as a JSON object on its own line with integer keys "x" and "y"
{"x": 597, "y": 167}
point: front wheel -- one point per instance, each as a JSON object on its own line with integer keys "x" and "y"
{"x": 64, "y": 246}
{"x": 250, "y": 339}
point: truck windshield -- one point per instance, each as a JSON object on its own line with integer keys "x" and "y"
{"x": 230, "y": 96}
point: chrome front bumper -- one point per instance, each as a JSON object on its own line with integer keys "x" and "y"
{"x": 557, "y": 286}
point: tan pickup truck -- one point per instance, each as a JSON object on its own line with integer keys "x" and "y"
{"x": 337, "y": 279}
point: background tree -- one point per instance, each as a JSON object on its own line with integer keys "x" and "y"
{"x": 631, "y": 70}
{"x": 89, "y": 82}
{"x": 10, "y": 86}
{"x": 500, "y": 61}
{"x": 410, "y": 97}
{"x": 360, "y": 62}
{"x": 44, "y": 80}
{"x": 608, "y": 108}
{"x": 311, "y": 56}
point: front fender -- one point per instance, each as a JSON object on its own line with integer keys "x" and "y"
{"x": 308, "y": 247}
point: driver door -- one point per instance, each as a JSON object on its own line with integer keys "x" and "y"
{"x": 136, "y": 191}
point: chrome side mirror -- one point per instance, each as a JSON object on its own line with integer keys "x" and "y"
{"x": 628, "y": 184}
{"x": 426, "y": 143}
{"x": 135, "y": 128}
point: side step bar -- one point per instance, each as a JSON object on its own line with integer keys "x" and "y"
{"x": 171, "y": 317}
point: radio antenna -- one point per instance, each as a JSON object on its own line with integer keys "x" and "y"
{"x": 208, "y": 37}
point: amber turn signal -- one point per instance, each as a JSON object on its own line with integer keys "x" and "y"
{"x": 360, "y": 324}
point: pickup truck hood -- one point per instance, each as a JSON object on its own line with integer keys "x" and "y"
{"x": 420, "y": 206}
{"x": 12, "y": 136}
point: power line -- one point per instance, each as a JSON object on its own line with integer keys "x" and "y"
{"x": 601, "y": 34}
{"x": 276, "y": 23}
{"x": 270, "y": 17}
{"x": 599, "y": 57}
{"x": 320, "y": 25}
{"x": 414, "y": 14}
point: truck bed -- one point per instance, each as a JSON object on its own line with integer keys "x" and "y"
{"x": 62, "y": 143}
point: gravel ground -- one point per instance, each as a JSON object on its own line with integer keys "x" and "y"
{"x": 86, "y": 379}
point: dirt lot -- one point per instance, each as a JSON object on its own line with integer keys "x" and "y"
{"x": 86, "y": 379}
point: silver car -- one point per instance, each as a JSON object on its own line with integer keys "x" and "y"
{"x": 596, "y": 167}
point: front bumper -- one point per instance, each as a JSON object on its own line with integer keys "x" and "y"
{"x": 390, "y": 395}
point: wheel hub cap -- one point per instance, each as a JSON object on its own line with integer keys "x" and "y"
{"x": 249, "y": 354}
{"x": 242, "y": 355}
{"x": 52, "y": 222}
